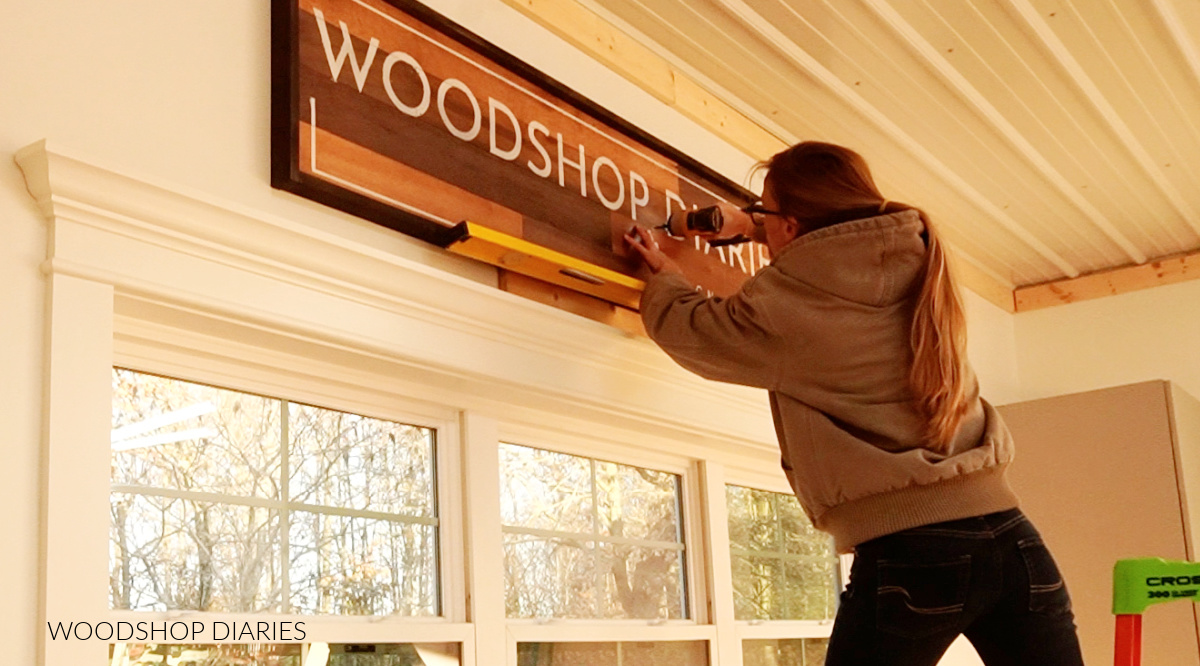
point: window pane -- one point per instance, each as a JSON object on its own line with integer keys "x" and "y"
{"x": 549, "y": 577}
{"x": 545, "y": 490}
{"x": 590, "y": 539}
{"x": 174, "y": 554}
{"x": 783, "y": 568}
{"x": 753, "y": 522}
{"x": 199, "y": 517}
{"x": 810, "y": 589}
{"x": 643, "y": 583}
{"x": 798, "y": 534}
{"x": 642, "y": 653}
{"x": 355, "y": 462}
{"x": 784, "y": 652}
{"x": 169, "y": 433}
{"x": 757, "y": 590}
{"x": 360, "y": 566}
{"x": 637, "y": 503}
{"x": 228, "y": 654}
{"x": 395, "y": 654}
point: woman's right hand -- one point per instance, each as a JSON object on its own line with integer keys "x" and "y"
{"x": 643, "y": 242}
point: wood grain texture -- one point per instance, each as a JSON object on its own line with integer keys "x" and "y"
{"x": 649, "y": 71}
{"x": 1180, "y": 268}
{"x": 399, "y": 182}
{"x": 625, "y": 319}
{"x": 453, "y": 129}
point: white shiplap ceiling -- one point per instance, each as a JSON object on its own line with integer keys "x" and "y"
{"x": 1049, "y": 138}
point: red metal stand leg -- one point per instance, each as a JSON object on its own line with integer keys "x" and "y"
{"x": 1128, "y": 641}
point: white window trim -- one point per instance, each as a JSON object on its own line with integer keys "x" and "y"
{"x": 166, "y": 280}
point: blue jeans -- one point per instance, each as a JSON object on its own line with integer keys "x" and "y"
{"x": 990, "y": 578}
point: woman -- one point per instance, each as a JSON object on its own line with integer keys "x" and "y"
{"x": 857, "y": 332}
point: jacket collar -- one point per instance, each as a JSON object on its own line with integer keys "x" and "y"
{"x": 872, "y": 261}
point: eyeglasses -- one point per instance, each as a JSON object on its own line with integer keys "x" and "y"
{"x": 757, "y": 213}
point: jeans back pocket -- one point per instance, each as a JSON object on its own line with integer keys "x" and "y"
{"x": 1047, "y": 590}
{"x": 918, "y": 599}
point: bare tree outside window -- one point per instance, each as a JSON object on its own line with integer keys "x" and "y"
{"x": 641, "y": 653}
{"x": 785, "y": 652}
{"x": 229, "y": 502}
{"x": 585, "y": 538}
{"x": 783, "y": 567}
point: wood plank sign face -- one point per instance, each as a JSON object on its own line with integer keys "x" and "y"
{"x": 388, "y": 111}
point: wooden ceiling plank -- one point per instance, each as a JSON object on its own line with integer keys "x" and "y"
{"x": 969, "y": 94}
{"x": 1148, "y": 72}
{"x": 1081, "y": 138}
{"x": 618, "y": 51}
{"x": 1159, "y": 272}
{"x": 1173, "y": 24}
{"x": 769, "y": 32}
{"x": 694, "y": 36}
{"x": 1091, "y": 91}
{"x": 982, "y": 282}
{"x": 692, "y": 76}
{"x": 592, "y": 35}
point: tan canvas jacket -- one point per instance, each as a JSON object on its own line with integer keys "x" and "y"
{"x": 825, "y": 329}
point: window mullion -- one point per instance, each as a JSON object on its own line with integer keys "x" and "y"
{"x": 557, "y": 534}
{"x": 484, "y": 539}
{"x": 285, "y": 514}
{"x": 727, "y": 650}
{"x": 597, "y": 577}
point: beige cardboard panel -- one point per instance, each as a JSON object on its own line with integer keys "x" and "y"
{"x": 1096, "y": 472}
{"x": 1186, "y": 422}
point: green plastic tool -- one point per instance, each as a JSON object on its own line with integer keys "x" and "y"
{"x": 1152, "y": 580}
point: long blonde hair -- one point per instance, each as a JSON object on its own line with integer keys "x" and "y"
{"x": 821, "y": 184}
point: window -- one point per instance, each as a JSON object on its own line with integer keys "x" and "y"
{"x": 229, "y": 502}
{"x": 641, "y": 653}
{"x": 585, "y": 538}
{"x": 289, "y": 654}
{"x": 784, "y": 652}
{"x": 783, "y": 568}
{"x": 137, "y": 654}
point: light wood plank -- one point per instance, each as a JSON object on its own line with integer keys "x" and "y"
{"x": 1168, "y": 270}
{"x": 989, "y": 288}
{"x": 642, "y": 67}
{"x": 723, "y": 120}
{"x": 592, "y": 34}
{"x": 572, "y": 301}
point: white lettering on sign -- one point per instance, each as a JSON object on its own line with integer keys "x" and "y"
{"x": 503, "y": 122}
{"x": 536, "y": 128}
{"x": 611, "y": 204}
{"x": 512, "y": 153}
{"x": 422, "y": 106}
{"x": 563, "y": 161}
{"x": 635, "y": 200}
{"x": 476, "y": 118}
{"x": 335, "y": 64}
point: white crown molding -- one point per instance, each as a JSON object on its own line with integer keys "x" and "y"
{"x": 192, "y": 250}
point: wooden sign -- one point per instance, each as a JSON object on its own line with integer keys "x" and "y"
{"x": 387, "y": 110}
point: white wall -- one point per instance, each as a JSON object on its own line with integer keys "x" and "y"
{"x": 1143, "y": 335}
{"x": 992, "y": 348}
{"x": 21, "y": 316}
{"x": 178, "y": 93}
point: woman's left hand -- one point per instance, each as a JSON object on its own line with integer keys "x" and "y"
{"x": 642, "y": 240}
